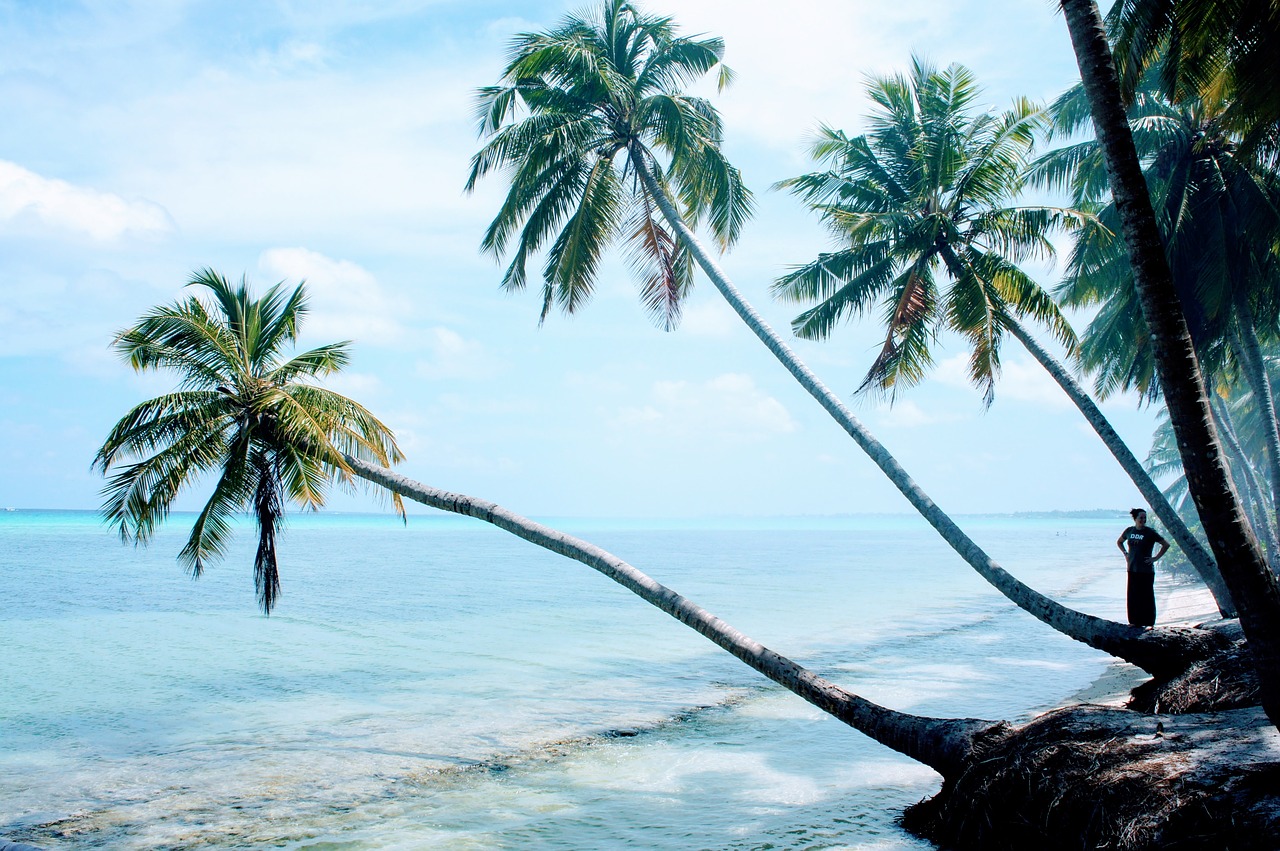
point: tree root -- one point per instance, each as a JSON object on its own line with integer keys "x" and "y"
{"x": 1090, "y": 777}
{"x": 1226, "y": 680}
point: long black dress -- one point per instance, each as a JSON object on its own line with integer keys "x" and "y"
{"x": 1142, "y": 573}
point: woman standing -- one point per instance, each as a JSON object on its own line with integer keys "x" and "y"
{"x": 1141, "y": 539}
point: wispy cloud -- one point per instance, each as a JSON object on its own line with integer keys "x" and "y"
{"x": 452, "y": 356}
{"x": 1020, "y": 380}
{"x": 347, "y": 302}
{"x": 29, "y": 201}
{"x": 907, "y": 414}
{"x": 807, "y": 66}
{"x": 728, "y": 407}
{"x": 709, "y": 319}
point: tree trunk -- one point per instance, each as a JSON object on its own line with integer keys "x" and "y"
{"x": 1161, "y": 652}
{"x": 1253, "y": 586}
{"x": 1252, "y": 487}
{"x": 1200, "y": 559}
{"x": 1255, "y": 371}
{"x": 940, "y": 743}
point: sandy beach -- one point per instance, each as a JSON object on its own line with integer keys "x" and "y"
{"x": 1186, "y": 602}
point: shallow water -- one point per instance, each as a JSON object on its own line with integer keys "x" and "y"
{"x": 444, "y": 685}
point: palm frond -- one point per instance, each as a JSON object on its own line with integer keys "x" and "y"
{"x": 905, "y": 357}
{"x": 573, "y": 259}
{"x": 268, "y": 510}
{"x": 569, "y": 100}
{"x": 663, "y": 267}
{"x": 231, "y": 495}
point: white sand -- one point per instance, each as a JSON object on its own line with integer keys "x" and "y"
{"x": 1182, "y": 603}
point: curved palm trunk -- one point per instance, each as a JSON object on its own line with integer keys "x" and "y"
{"x": 1200, "y": 558}
{"x": 1161, "y": 652}
{"x": 1253, "y": 586}
{"x": 1257, "y": 506}
{"x": 940, "y": 743}
{"x": 1255, "y": 371}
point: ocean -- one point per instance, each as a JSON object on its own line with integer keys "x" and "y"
{"x": 444, "y": 685}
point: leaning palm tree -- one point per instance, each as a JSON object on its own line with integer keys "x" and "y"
{"x": 592, "y": 129}
{"x": 242, "y": 409}
{"x": 231, "y": 352}
{"x": 929, "y": 193}
{"x": 1253, "y": 586}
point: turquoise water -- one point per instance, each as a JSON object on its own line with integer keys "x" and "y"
{"x": 444, "y": 685}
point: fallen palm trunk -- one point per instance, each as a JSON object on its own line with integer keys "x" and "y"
{"x": 940, "y": 743}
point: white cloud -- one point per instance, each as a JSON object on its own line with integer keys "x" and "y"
{"x": 808, "y": 64}
{"x": 347, "y": 302}
{"x": 356, "y": 385}
{"x": 953, "y": 371}
{"x": 1027, "y": 381}
{"x": 1020, "y": 380}
{"x": 451, "y": 356}
{"x": 729, "y": 407}
{"x": 27, "y": 199}
{"x": 709, "y": 319}
{"x": 383, "y": 157}
{"x": 291, "y": 56}
{"x": 904, "y": 415}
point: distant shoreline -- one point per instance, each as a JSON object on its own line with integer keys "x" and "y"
{"x": 1071, "y": 514}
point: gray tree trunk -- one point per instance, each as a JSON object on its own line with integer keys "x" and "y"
{"x": 940, "y": 743}
{"x": 1252, "y": 487}
{"x": 1160, "y": 651}
{"x": 1253, "y": 586}
{"x": 1191, "y": 547}
{"x": 1255, "y": 370}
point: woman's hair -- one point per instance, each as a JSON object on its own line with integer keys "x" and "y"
{"x": 1134, "y": 512}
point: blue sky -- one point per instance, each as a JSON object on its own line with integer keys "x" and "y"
{"x": 329, "y": 141}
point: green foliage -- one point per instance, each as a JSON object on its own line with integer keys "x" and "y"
{"x": 1225, "y": 51}
{"x": 1218, "y": 213}
{"x": 577, "y": 108}
{"x": 241, "y": 409}
{"x": 1238, "y": 419}
{"x": 927, "y": 190}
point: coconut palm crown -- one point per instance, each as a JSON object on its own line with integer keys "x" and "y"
{"x": 578, "y": 109}
{"x": 241, "y": 408}
{"x": 928, "y": 189}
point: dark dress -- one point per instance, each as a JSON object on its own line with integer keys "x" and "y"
{"x": 1142, "y": 574}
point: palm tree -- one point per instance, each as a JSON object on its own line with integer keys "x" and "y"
{"x": 233, "y": 381}
{"x": 242, "y": 409}
{"x": 930, "y": 188}
{"x": 1204, "y": 46}
{"x": 1218, "y": 217}
{"x": 1253, "y": 586}
{"x": 591, "y": 128}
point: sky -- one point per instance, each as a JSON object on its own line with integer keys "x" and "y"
{"x": 329, "y": 141}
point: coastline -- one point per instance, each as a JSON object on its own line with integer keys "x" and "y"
{"x": 807, "y": 785}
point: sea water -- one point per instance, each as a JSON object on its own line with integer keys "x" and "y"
{"x": 442, "y": 684}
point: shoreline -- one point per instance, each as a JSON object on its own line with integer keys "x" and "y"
{"x": 1185, "y": 602}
